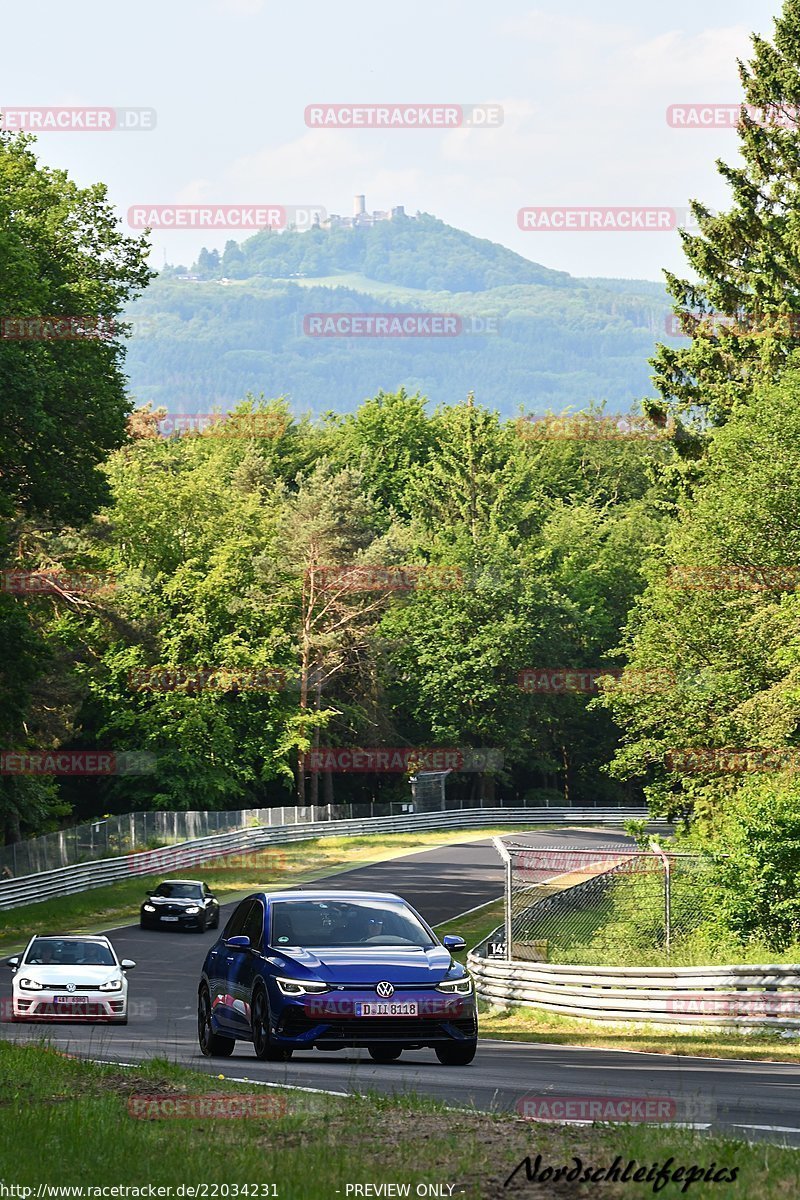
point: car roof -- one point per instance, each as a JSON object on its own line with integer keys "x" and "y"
{"x": 74, "y": 937}
{"x": 197, "y": 882}
{"x": 298, "y": 894}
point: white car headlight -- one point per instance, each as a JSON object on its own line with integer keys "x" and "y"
{"x": 111, "y": 985}
{"x": 309, "y": 987}
{"x": 149, "y": 907}
{"x": 31, "y": 985}
{"x": 192, "y": 909}
{"x": 458, "y": 987}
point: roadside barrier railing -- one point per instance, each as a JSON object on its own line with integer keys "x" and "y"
{"x": 701, "y": 997}
{"x": 65, "y": 881}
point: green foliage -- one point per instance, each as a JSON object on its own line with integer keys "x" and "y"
{"x": 744, "y": 261}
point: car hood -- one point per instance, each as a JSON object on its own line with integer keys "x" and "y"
{"x": 370, "y": 964}
{"x": 180, "y": 901}
{"x": 80, "y": 976}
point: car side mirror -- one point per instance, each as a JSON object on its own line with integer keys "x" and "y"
{"x": 238, "y": 943}
{"x": 210, "y": 896}
{"x": 127, "y": 964}
{"x": 13, "y": 963}
{"x": 453, "y": 943}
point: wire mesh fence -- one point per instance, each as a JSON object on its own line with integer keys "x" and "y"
{"x": 130, "y": 832}
{"x": 616, "y": 905}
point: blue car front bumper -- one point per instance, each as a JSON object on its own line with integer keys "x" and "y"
{"x": 333, "y": 1020}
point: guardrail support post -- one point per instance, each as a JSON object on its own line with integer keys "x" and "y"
{"x": 500, "y": 847}
{"x": 654, "y": 846}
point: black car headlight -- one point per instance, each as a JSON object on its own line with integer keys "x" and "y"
{"x": 309, "y": 987}
{"x": 31, "y": 985}
{"x": 456, "y": 987}
{"x": 149, "y": 907}
{"x": 191, "y": 910}
{"x": 111, "y": 985}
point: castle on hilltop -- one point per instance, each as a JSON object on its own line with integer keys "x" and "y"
{"x": 361, "y": 217}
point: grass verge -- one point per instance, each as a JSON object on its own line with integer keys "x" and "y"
{"x": 67, "y": 1122}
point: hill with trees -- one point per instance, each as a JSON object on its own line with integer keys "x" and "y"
{"x": 531, "y": 338}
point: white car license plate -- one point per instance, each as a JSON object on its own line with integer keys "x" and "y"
{"x": 169, "y": 918}
{"x": 387, "y": 1008}
{"x": 72, "y": 1000}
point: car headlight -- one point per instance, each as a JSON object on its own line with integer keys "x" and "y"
{"x": 111, "y": 985}
{"x": 310, "y": 987}
{"x": 31, "y": 985}
{"x": 458, "y": 987}
{"x": 192, "y": 909}
{"x": 149, "y": 907}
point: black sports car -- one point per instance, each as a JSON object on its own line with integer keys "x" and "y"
{"x": 180, "y": 904}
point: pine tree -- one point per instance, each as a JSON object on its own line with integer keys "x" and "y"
{"x": 747, "y": 260}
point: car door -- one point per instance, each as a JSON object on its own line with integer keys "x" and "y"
{"x": 250, "y": 960}
{"x": 242, "y": 965}
{"x": 222, "y": 966}
{"x": 209, "y": 903}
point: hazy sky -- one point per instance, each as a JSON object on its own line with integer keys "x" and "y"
{"x": 584, "y": 88}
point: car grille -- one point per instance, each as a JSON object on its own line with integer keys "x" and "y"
{"x": 78, "y": 988}
{"x": 414, "y": 1029}
{"x": 64, "y": 1010}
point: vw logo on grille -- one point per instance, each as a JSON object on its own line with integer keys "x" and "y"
{"x": 385, "y": 989}
{"x": 71, "y": 987}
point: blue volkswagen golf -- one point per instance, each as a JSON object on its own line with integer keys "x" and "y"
{"x": 329, "y": 970}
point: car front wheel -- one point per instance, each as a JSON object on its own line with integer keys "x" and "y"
{"x": 457, "y": 1054}
{"x": 212, "y": 1045}
{"x": 265, "y": 1047}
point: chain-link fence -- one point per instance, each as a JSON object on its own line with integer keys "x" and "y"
{"x": 130, "y": 832}
{"x": 614, "y": 906}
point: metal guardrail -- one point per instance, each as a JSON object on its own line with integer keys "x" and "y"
{"x": 702, "y": 997}
{"x": 65, "y": 881}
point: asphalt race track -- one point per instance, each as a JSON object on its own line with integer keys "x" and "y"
{"x": 752, "y": 1100}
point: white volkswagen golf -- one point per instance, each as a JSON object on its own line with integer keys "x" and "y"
{"x": 70, "y": 978}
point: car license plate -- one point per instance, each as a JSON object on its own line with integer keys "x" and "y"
{"x": 72, "y": 1000}
{"x": 169, "y": 918}
{"x": 387, "y": 1008}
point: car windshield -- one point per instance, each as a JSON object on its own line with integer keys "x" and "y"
{"x": 328, "y": 923}
{"x": 179, "y": 891}
{"x": 69, "y": 952}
